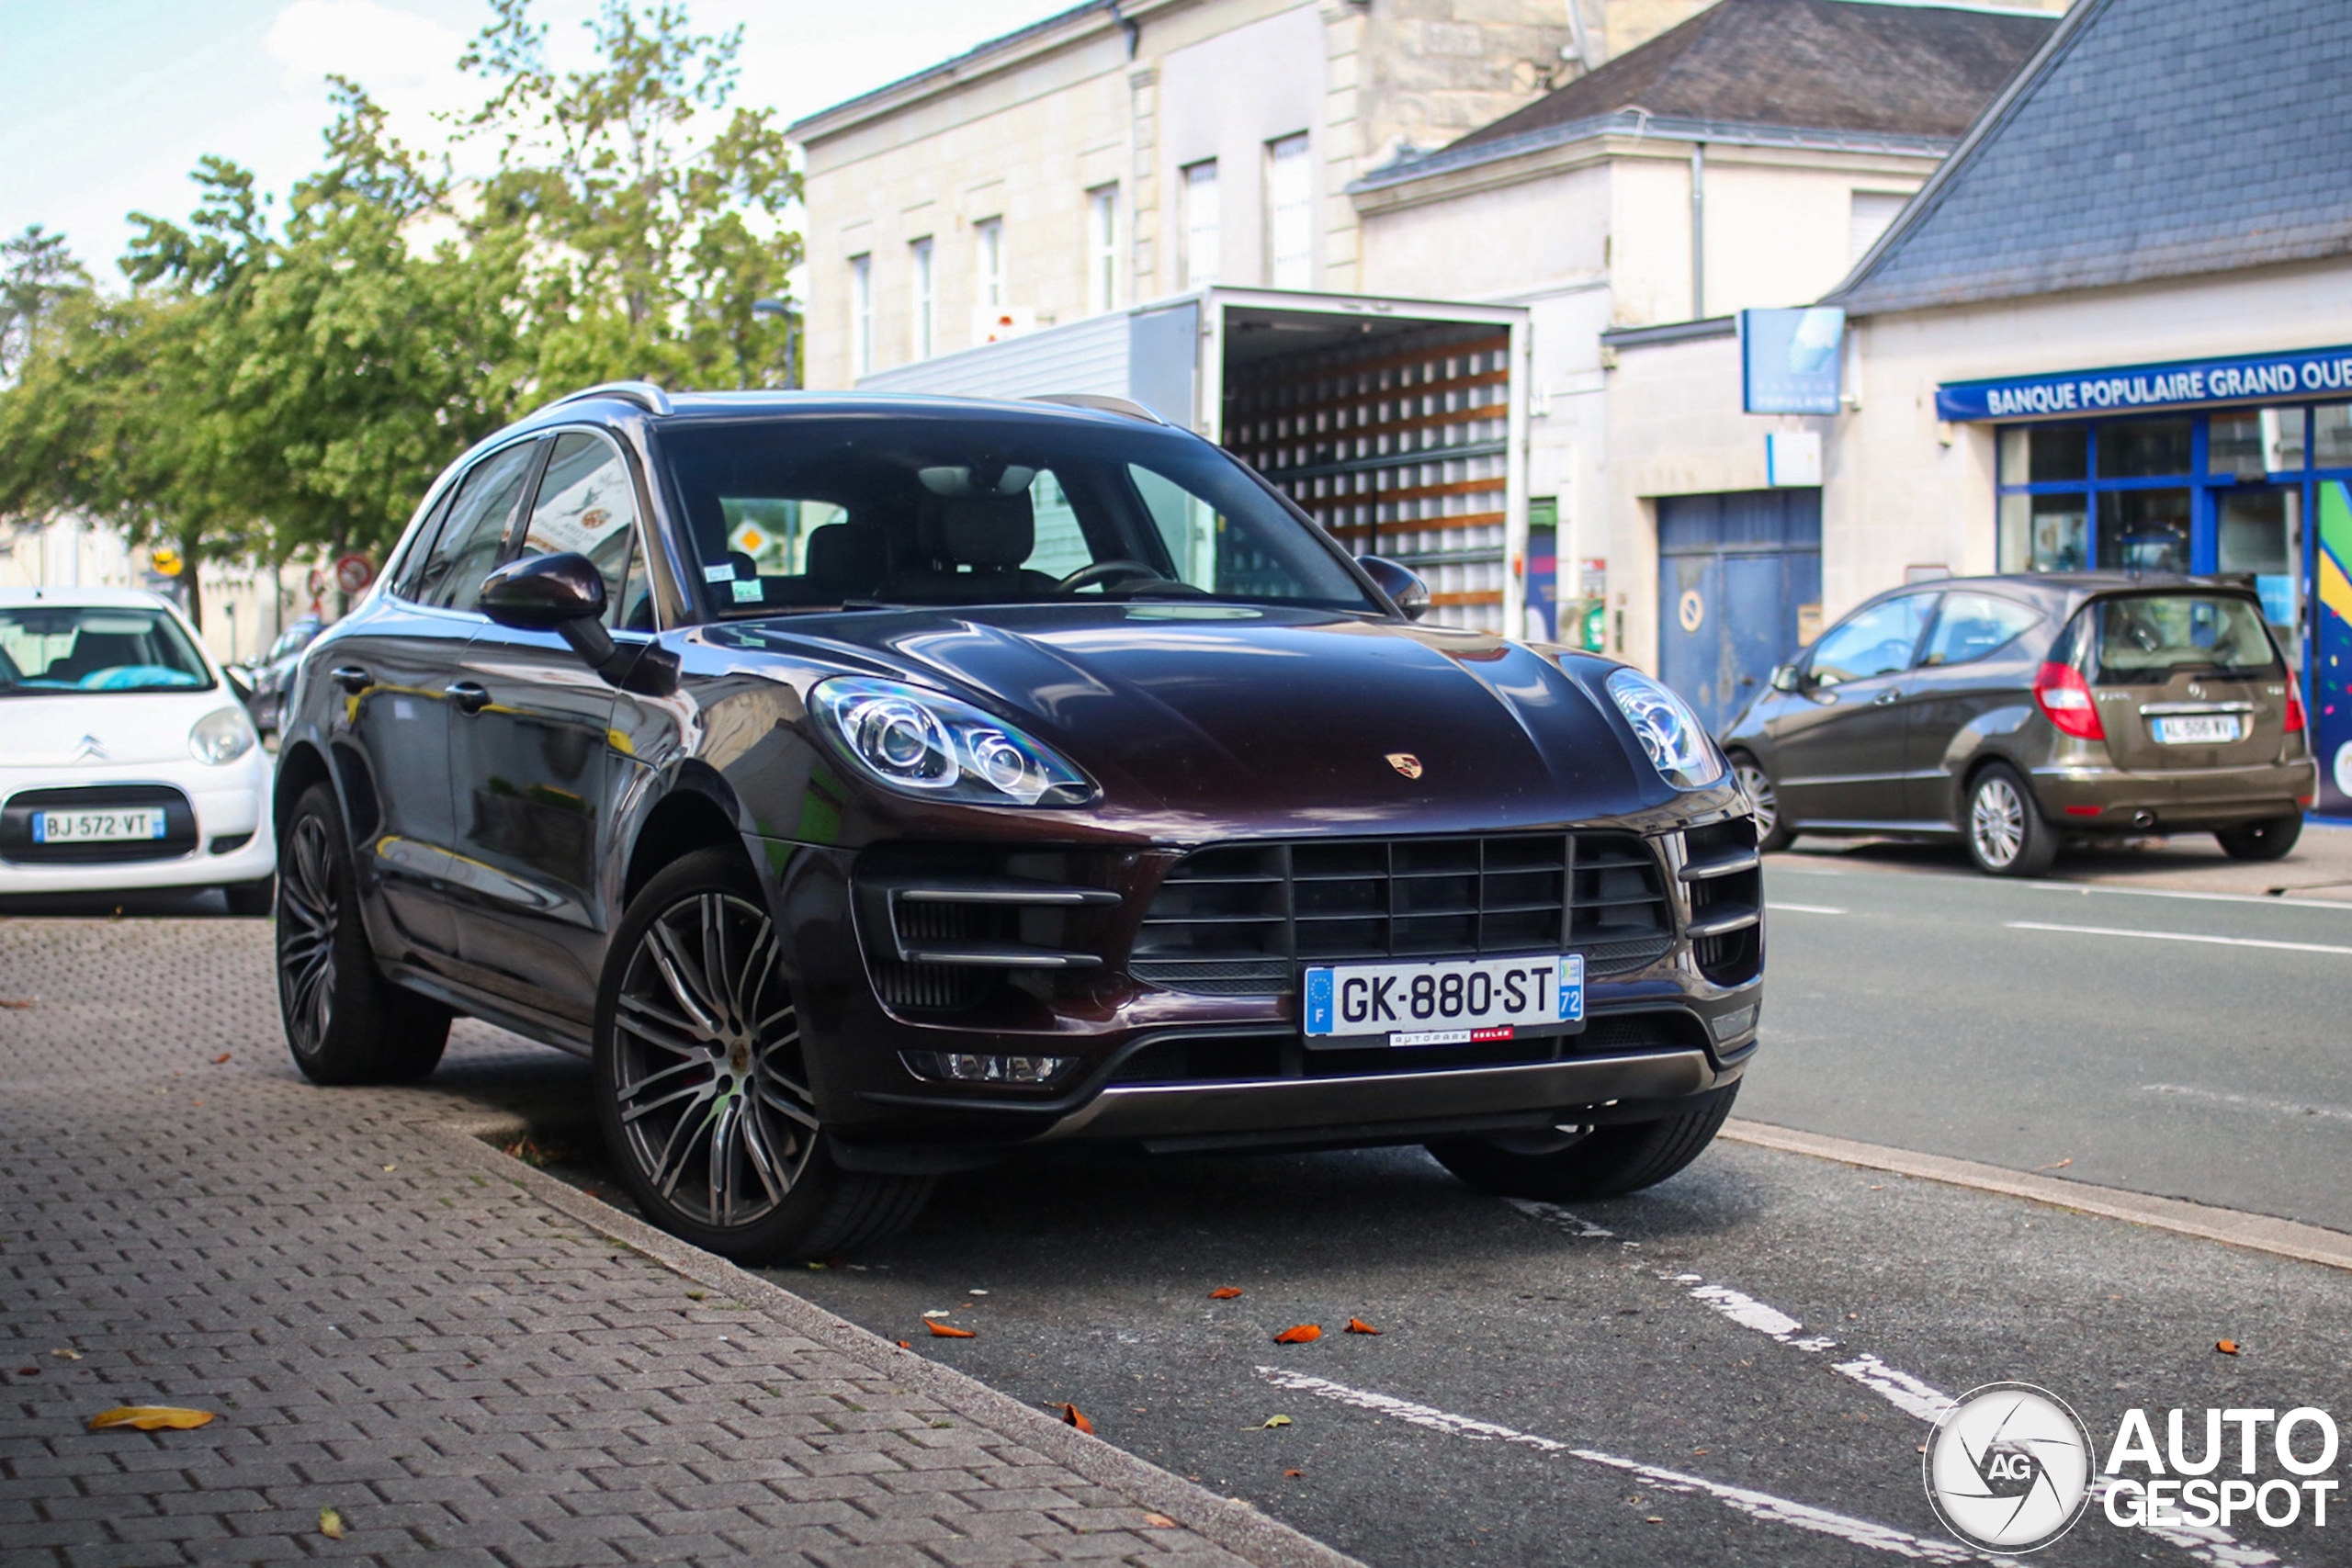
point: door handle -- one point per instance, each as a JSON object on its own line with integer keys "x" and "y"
{"x": 1885, "y": 697}
{"x": 469, "y": 698}
{"x": 352, "y": 678}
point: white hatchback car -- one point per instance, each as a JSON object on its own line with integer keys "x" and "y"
{"x": 126, "y": 759}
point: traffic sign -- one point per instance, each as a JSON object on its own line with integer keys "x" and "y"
{"x": 354, "y": 572}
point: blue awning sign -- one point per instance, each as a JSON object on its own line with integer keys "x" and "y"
{"x": 2189, "y": 383}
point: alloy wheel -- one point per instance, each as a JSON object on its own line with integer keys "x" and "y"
{"x": 708, "y": 1077}
{"x": 1760, "y": 795}
{"x": 1996, "y": 822}
{"x": 308, "y": 913}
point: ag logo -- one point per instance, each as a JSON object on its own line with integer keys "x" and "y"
{"x": 1405, "y": 763}
{"x": 2009, "y": 1468}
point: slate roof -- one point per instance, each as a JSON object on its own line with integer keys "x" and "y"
{"x": 1821, "y": 65}
{"x": 2155, "y": 138}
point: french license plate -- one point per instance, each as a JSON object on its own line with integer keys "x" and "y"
{"x": 96, "y": 827}
{"x": 1453, "y": 1002}
{"x": 2197, "y": 729}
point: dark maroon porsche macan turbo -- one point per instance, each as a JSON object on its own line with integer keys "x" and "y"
{"x": 876, "y": 787}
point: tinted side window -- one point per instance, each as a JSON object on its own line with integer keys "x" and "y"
{"x": 587, "y": 504}
{"x": 1876, "y": 642}
{"x": 412, "y": 565}
{"x": 1972, "y": 626}
{"x": 475, "y": 531}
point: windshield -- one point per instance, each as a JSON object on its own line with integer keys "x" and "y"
{"x": 65, "y": 648}
{"x": 949, "y": 508}
{"x": 2148, "y": 639}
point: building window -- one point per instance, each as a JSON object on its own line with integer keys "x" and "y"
{"x": 1290, "y": 213}
{"x": 919, "y": 253}
{"x": 1873, "y": 211}
{"x": 1203, "y": 234}
{"x": 988, "y": 278}
{"x": 861, "y": 315}
{"x": 1103, "y": 248}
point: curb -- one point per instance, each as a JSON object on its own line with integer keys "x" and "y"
{"x": 1237, "y": 1527}
{"x": 2233, "y": 1227}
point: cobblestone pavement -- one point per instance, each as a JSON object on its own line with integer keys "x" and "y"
{"x": 467, "y": 1361}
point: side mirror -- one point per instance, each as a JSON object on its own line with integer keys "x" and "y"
{"x": 239, "y": 681}
{"x": 1405, "y": 588}
{"x": 545, "y": 594}
{"x": 1786, "y": 678}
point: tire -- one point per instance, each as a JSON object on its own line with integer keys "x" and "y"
{"x": 344, "y": 1022}
{"x": 252, "y": 898}
{"x": 1605, "y": 1163}
{"x": 2007, "y": 836}
{"x": 2269, "y": 839}
{"x": 701, "y": 1087}
{"x": 1771, "y": 832}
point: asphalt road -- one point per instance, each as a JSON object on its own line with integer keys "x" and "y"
{"x": 2192, "y": 1045}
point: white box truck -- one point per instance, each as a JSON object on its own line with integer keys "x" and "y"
{"x": 1399, "y": 424}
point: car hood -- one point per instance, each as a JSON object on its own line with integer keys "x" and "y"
{"x": 123, "y": 727}
{"x": 1205, "y": 714}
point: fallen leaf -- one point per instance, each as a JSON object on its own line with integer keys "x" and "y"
{"x": 1073, "y": 1416}
{"x": 329, "y": 1524}
{"x": 1654, "y": 1519}
{"x": 152, "y": 1417}
{"x": 1300, "y": 1334}
{"x": 2226, "y": 1346}
{"x": 938, "y": 1311}
{"x": 67, "y": 1353}
{"x": 2060, "y": 1166}
{"x": 1160, "y": 1522}
{"x": 948, "y": 1330}
{"x": 1269, "y": 1421}
{"x": 17, "y": 1004}
{"x": 975, "y": 1292}
{"x": 1294, "y": 1474}
{"x": 221, "y": 1057}
{"x": 1358, "y": 1326}
{"x": 28, "y": 1372}
{"x": 390, "y": 1168}
{"x": 1225, "y": 1292}
{"x": 904, "y": 1346}
{"x": 698, "y": 1295}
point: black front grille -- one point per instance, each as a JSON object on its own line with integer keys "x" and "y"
{"x": 16, "y": 825}
{"x": 1237, "y": 920}
{"x": 1727, "y": 883}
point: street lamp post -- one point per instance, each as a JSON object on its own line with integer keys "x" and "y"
{"x": 791, "y": 338}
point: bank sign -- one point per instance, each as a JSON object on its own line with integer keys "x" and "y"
{"x": 2188, "y": 383}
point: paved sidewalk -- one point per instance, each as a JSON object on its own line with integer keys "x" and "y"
{"x": 467, "y": 1362}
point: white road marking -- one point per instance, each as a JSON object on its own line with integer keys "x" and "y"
{"x": 1803, "y": 908}
{"x": 2178, "y": 936}
{"x": 2252, "y": 1102}
{"x": 1745, "y": 1500}
{"x": 1553, "y": 1214}
{"x": 2281, "y": 901}
{"x": 1897, "y": 1387}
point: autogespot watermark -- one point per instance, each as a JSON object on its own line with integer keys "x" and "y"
{"x": 2009, "y": 1469}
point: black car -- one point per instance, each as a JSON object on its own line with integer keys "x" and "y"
{"x": 271, "y": 676}
{"x": 872, "y": 787}
{"x": 2011, "y": 712}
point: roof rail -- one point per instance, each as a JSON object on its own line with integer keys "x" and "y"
{"x": 1100, "y": 403}
{"x": 644, "y": 394}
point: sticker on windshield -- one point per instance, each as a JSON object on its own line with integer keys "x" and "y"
{"x": 747, "y": 590}
{"x": 723, "y": 573}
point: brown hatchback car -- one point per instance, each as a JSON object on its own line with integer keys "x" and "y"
{"x": 2015, "y": 712}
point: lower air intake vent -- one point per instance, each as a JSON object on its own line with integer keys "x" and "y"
{"x": 1727, "y": 882}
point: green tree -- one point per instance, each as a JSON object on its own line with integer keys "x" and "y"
{"x": 648, "y": 249}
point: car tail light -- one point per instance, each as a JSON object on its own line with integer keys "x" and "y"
{"x": 2294, "y": 704}
{"x": 2065, "y": 698}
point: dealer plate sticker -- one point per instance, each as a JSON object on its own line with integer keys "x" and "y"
{"x": 1453, "y": 1002}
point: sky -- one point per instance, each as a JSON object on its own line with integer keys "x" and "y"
{"x": 109, "y": 103}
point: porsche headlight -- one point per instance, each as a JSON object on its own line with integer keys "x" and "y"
{"x": 1669, "y": 732}
{"x": 223, "y": 735}
{"x": 929, "y": 744}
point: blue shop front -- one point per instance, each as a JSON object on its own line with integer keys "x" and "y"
{"x": 2238, "y": 467}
